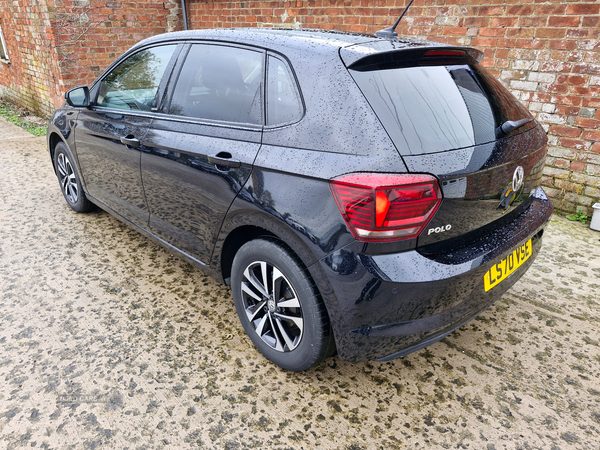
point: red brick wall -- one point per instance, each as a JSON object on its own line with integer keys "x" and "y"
{"x": 31, "y": 76}
{"x": 92, "y": 34}
{"x": 54, "y": 45}
{"x": 547, "y": 53}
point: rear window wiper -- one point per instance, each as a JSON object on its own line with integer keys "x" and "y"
{"x": 509, "y": 126}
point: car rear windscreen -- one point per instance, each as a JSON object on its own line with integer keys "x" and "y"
{"x": 430, "y": 109}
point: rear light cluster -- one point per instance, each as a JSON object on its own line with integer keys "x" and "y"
{"x": 386, "y": 207}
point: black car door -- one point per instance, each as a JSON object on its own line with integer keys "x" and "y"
{"x": 200, "y": 150}
{"x": 109, "y": 133}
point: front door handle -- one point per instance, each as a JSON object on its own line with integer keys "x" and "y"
{"x": 224, "y": 159}
{"x": 130, "y": 141}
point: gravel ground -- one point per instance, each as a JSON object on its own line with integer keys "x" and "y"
{"x": 108, "y": 341}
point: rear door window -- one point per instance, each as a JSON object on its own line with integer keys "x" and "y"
{"x": 220, "y": 83}
{"x": 431, "y": 109}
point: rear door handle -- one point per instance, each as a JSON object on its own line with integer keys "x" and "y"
{"x": 224, "y": 159}
{"x": 130, "y": 141}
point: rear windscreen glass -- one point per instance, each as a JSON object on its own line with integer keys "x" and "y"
{"x": 436, "y": 108}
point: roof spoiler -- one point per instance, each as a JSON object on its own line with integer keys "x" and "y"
{"x": 415, "y": 57}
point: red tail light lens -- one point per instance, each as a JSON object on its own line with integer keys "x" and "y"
{"x": 386, "y": 207}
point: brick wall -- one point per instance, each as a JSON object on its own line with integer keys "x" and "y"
{"x": 92, "y": 33}
{"x": 54, "y": 45}
{"x": 30, "y": 78}
{"x": 546, "y": 52}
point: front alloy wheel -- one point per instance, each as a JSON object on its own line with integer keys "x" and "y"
{"x": 67, "y": 179}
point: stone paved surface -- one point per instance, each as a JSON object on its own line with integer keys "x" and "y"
{"x": 108, "y": 341}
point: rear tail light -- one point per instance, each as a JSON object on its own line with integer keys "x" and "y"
{"x": 386, "y": 207}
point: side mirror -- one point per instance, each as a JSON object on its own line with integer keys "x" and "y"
{"x": 78, "y": 96}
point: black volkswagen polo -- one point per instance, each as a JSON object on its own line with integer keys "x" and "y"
{"x": 359, "y": 194}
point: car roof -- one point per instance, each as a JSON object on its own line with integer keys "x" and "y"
{"x": 355, "y": 45}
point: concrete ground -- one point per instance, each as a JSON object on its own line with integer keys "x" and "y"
{"x": 108, "y": 341}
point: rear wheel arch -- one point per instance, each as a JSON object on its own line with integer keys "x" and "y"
{"x": 261, "y": 226}
{"x": 235, "y": 240}
{"x": 243, "y": 227}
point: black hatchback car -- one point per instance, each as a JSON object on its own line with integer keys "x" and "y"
{"x": 359, "y": 194}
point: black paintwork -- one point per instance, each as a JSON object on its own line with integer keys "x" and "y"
{"x": 111, "y": 170}
{"x": 203, "y": 188}
{"x": 187, "y": 195}
{"x": 404, "y": 298}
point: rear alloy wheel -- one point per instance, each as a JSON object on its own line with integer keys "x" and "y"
{"x": 272, "y": 306}
{"x": 279, "y": 306}
{"x": 69, "y": 181}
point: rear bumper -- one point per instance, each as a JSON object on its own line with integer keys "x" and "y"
{"x": 387, "y": 306}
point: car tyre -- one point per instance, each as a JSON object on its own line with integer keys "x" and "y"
{"x": 69, "y": 180}
{"x": 279, "y": 305}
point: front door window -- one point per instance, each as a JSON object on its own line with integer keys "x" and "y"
{"x": 133, "y": 84}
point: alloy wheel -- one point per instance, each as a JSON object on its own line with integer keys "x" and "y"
{"x": 66, "y": 176}
{"x": 272, "y": 306}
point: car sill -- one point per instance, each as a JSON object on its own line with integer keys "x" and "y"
{"x": 171, "y": 248}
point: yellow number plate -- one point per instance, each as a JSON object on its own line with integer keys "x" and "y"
{"x": 506, "y": 266}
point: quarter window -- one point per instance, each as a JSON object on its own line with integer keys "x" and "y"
{"x": 133, "y": 84}
{"x": 220, "y": 83}
{"x": 283, "y": 100}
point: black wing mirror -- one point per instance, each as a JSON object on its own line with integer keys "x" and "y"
{"x": 78, "y": 96}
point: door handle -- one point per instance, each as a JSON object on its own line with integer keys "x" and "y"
{"x": 224, "y": 159}
{"x": 130, "y": 141}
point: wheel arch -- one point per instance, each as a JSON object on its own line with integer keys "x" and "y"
{"x": 53, "y": 140}
{"x": 234, "y": 241}
{"x": 246, "y": 226}
{"x": 243, "y": 226}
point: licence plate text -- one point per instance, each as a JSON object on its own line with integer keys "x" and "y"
{"x": 506, "y": 266}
